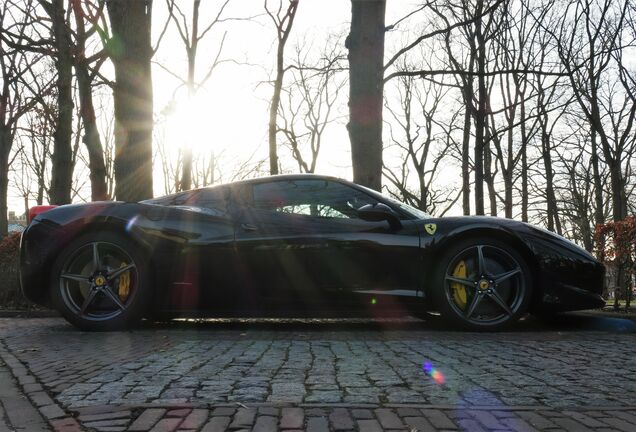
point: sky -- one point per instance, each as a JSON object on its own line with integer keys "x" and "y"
{"x": 229, "y": 115}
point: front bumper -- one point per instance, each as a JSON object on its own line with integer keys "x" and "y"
{"x": 37, "y": 253}
{"x": 569, "y": 278}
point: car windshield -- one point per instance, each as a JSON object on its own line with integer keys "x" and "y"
{"x": 411, "y": 211}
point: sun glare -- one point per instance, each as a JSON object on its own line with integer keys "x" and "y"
{"x": 189, "y": 124}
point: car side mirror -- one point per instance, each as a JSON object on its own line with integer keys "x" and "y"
{"x": 380, "y": 212}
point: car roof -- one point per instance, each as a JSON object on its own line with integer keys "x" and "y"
{"x": 290, "y": 177}
{"x": 274, "y": 178}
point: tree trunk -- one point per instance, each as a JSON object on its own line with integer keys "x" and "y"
{"x": 366, "y": 67}
{"x": 273, "y": 111}
{"x": 554, "y": 224}
{"x": 599, "y": 218}
{"x": 466, "y": 162}
{"x": 524, "y": 161}
{"x": 5, "y": 148}
{"x": 480, "y": 114}
{"x": 283, "y": 31}
{"x": 91, "y": 135}
{"x": 619, "y": 200}
{"x": 62, "y": 163}
{"x": 131, "y": 53}
{"x": 489, "y": 178}
{"x": 186, "y": 174}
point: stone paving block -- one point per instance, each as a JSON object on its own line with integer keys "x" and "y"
{"x": 517, "y": 424}
{"x": 52, "y": 411}
{"x": 224, "y": 411}
{"x": 195, "y": 419}
{"x": 620, "y": 424}
{"x": 166, "y": 425}
{"x": 629, "y": 417}
{"x": 100, "y": 424}
{"x": 244, "y": 418}
{"x": 316, "y": 412}
{"x": 388, "y": 419}
{"x": 217, "y": 424}
{"x": 536, "y": 420}
{"x": 29, "y": 388}
{"x": 41, "y": 399}
{"x": 268, "y": 411}
{"x": 420, "y": 424}
{"x": 147, "y": 419}
{"x": 585, "y": 419}
{"x": 340, "y": 419}
{"x": 570, "y": 424}
{"x": 362, "y": 413}
{"x": 439, "y": 419}
{"x": 471, "y": 425}
{"x": 265, "y": 423}
{"x": 67, "y": 424}
{"x": 104, "y": 416}
{"x": 181, "y": 412}
{"x": 369, "y": 426}
{"x": 408, "y": 412}
{"x": 317, "y": 424}
{"x": 486, "y": 419}
{"x": 292, "y": 418}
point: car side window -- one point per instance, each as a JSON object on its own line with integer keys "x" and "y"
{"x": 315, "y": 198}
{"x": 213, "y": 200}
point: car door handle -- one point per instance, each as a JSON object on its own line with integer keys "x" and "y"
{"x": 248, "y": 227}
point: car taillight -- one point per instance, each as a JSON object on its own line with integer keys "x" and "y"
{"x": 34, "y": 211}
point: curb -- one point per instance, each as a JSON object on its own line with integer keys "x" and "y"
{"x": 57, "y": 417}
{"x": 99, "y": 409}
{"x": 22, "y": 313}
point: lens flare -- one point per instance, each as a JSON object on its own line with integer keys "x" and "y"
{"x": 373, "y": 301}
{"x": 131, "y": 223}
{"x": 434, "y": 373}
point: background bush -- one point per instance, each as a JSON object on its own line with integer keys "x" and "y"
{"x": 10, "y": 294}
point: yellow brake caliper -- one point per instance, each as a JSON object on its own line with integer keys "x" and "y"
{"x": 459, "y": 290}
{"x": 124, "y": 284}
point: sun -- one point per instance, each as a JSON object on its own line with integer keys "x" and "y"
{"x": 188, "y": 124}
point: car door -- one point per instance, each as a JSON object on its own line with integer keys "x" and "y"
{"x": 303, "y": 244}
{"x": 200, "y": 231}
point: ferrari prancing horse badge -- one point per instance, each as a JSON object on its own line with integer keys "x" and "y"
{"x": 430, "y": 228}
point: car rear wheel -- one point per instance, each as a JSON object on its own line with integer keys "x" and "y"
{"x": 99, "y": 282}
{"x": 484, "y": 284}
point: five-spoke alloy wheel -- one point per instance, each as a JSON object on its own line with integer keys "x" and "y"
{"x": 98, "y": 282}
{"x": 485, "y": 284}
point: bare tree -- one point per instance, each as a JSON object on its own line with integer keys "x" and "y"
{"x": 423, "y": 142}
{"x": 283, "y": 19}
{"x": 85, "y": 76}
{"x": 587, "y": 42}
{"x": 62, "y": 166}
{"x": 17, "y": 69}
{"x": 309, "y": 102}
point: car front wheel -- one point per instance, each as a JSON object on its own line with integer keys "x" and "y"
{"x": 484, "y": 284}
{"x": 99, "y": 282}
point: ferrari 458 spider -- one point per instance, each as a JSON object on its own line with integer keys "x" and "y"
{"x": 292, "y": 244}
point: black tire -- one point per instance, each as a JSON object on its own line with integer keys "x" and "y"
{"x": 492, "y": 299}
{"x": 75, "y": 278}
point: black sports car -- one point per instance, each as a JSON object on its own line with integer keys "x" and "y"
{"x": 295, "y": 243}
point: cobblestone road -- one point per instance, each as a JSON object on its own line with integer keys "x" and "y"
{"x": 327, "y": 375}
